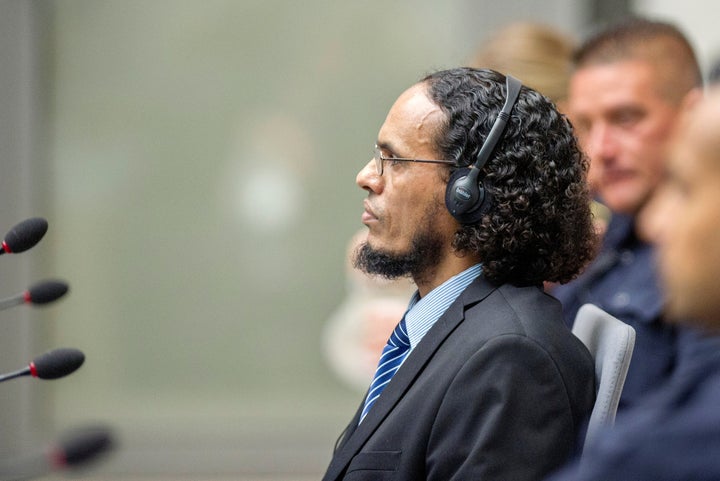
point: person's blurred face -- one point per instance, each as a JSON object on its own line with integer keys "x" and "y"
{"x": 623, "y": 124}
{"x": 687, "y": 214}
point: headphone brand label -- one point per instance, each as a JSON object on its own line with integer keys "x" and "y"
{"x": 462, "y": 194}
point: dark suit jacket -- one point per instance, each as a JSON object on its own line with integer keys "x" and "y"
{"x": 498, "y": 389}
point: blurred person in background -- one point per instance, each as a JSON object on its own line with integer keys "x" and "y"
{"x": 631, "y": 83}
{"x": 481, "y": 379}
{"x": 674, "y": 434}
{"x": 538, "y": 55}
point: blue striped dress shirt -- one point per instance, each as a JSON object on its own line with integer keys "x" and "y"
{"x": 424, "y": 312}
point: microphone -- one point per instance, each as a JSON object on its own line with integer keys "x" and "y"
{"x": 24, "y": 235}
{"x": 51, "y": 365}
{"x": 80, "y": 445}
{"x": 40, "y": 293}
{"x": 74, "y": 449}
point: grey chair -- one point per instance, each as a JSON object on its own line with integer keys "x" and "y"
{"x": 611, "y": 343}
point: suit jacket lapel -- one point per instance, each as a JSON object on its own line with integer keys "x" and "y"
{"x": 353, "y": 440}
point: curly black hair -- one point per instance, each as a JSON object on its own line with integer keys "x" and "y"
{"x": 539, "y": 227}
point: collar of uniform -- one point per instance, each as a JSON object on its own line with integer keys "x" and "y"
{"x": 620, "y": 231}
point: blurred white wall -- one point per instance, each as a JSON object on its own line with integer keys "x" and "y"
{"x": 196, "y": 161}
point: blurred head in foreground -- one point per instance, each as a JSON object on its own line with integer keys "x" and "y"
{"x": 686, "y": 217}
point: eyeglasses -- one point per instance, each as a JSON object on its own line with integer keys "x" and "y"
{"x": 380, "y": 159}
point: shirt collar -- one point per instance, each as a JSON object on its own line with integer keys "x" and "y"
{"x": 424, "y": 312}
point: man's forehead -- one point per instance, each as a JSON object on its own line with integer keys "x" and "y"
{"x": 697, "y": 140}
{"x": 414, "y": 106}
{"x": 626, "y": 81}
{"x": 702, "y": 132}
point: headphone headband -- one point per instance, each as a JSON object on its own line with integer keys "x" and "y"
{"x": 465, "y": 195}
{"x": 513, "y": 87}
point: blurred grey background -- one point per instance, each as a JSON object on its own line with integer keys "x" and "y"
{"x": 196, "y": 163}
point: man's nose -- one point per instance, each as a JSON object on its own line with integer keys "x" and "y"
{"x": 368, "y": 178}
{"x": 600, "y": 143}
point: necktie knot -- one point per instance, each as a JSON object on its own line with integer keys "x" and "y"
{"x": 399, "y": 337}
{"x": 392, "y": 356}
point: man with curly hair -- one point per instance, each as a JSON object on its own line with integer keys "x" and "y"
{"x": 477, "y": 191}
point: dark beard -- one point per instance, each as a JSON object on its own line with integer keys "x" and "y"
{"x": 419, "y": 262}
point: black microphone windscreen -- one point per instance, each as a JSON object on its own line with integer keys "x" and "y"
{"x": 83, "y": 444}
{"x": 57, "y": 363}
{"x": 25, "y": 234}
{"x": 47, "y": 291}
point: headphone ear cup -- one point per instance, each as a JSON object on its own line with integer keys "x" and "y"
{"x": 465, "y": 199}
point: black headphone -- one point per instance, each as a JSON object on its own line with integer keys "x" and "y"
{"x": 465, "y": 195}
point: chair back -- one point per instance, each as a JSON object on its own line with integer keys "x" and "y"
{"x": 611, "y": 343}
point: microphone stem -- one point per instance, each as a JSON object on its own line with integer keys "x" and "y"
{"x": 13, "y": 375}
{"x": 11, "y": 302}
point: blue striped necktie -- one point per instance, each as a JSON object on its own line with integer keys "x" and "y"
{"x": 392, "y": 356}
